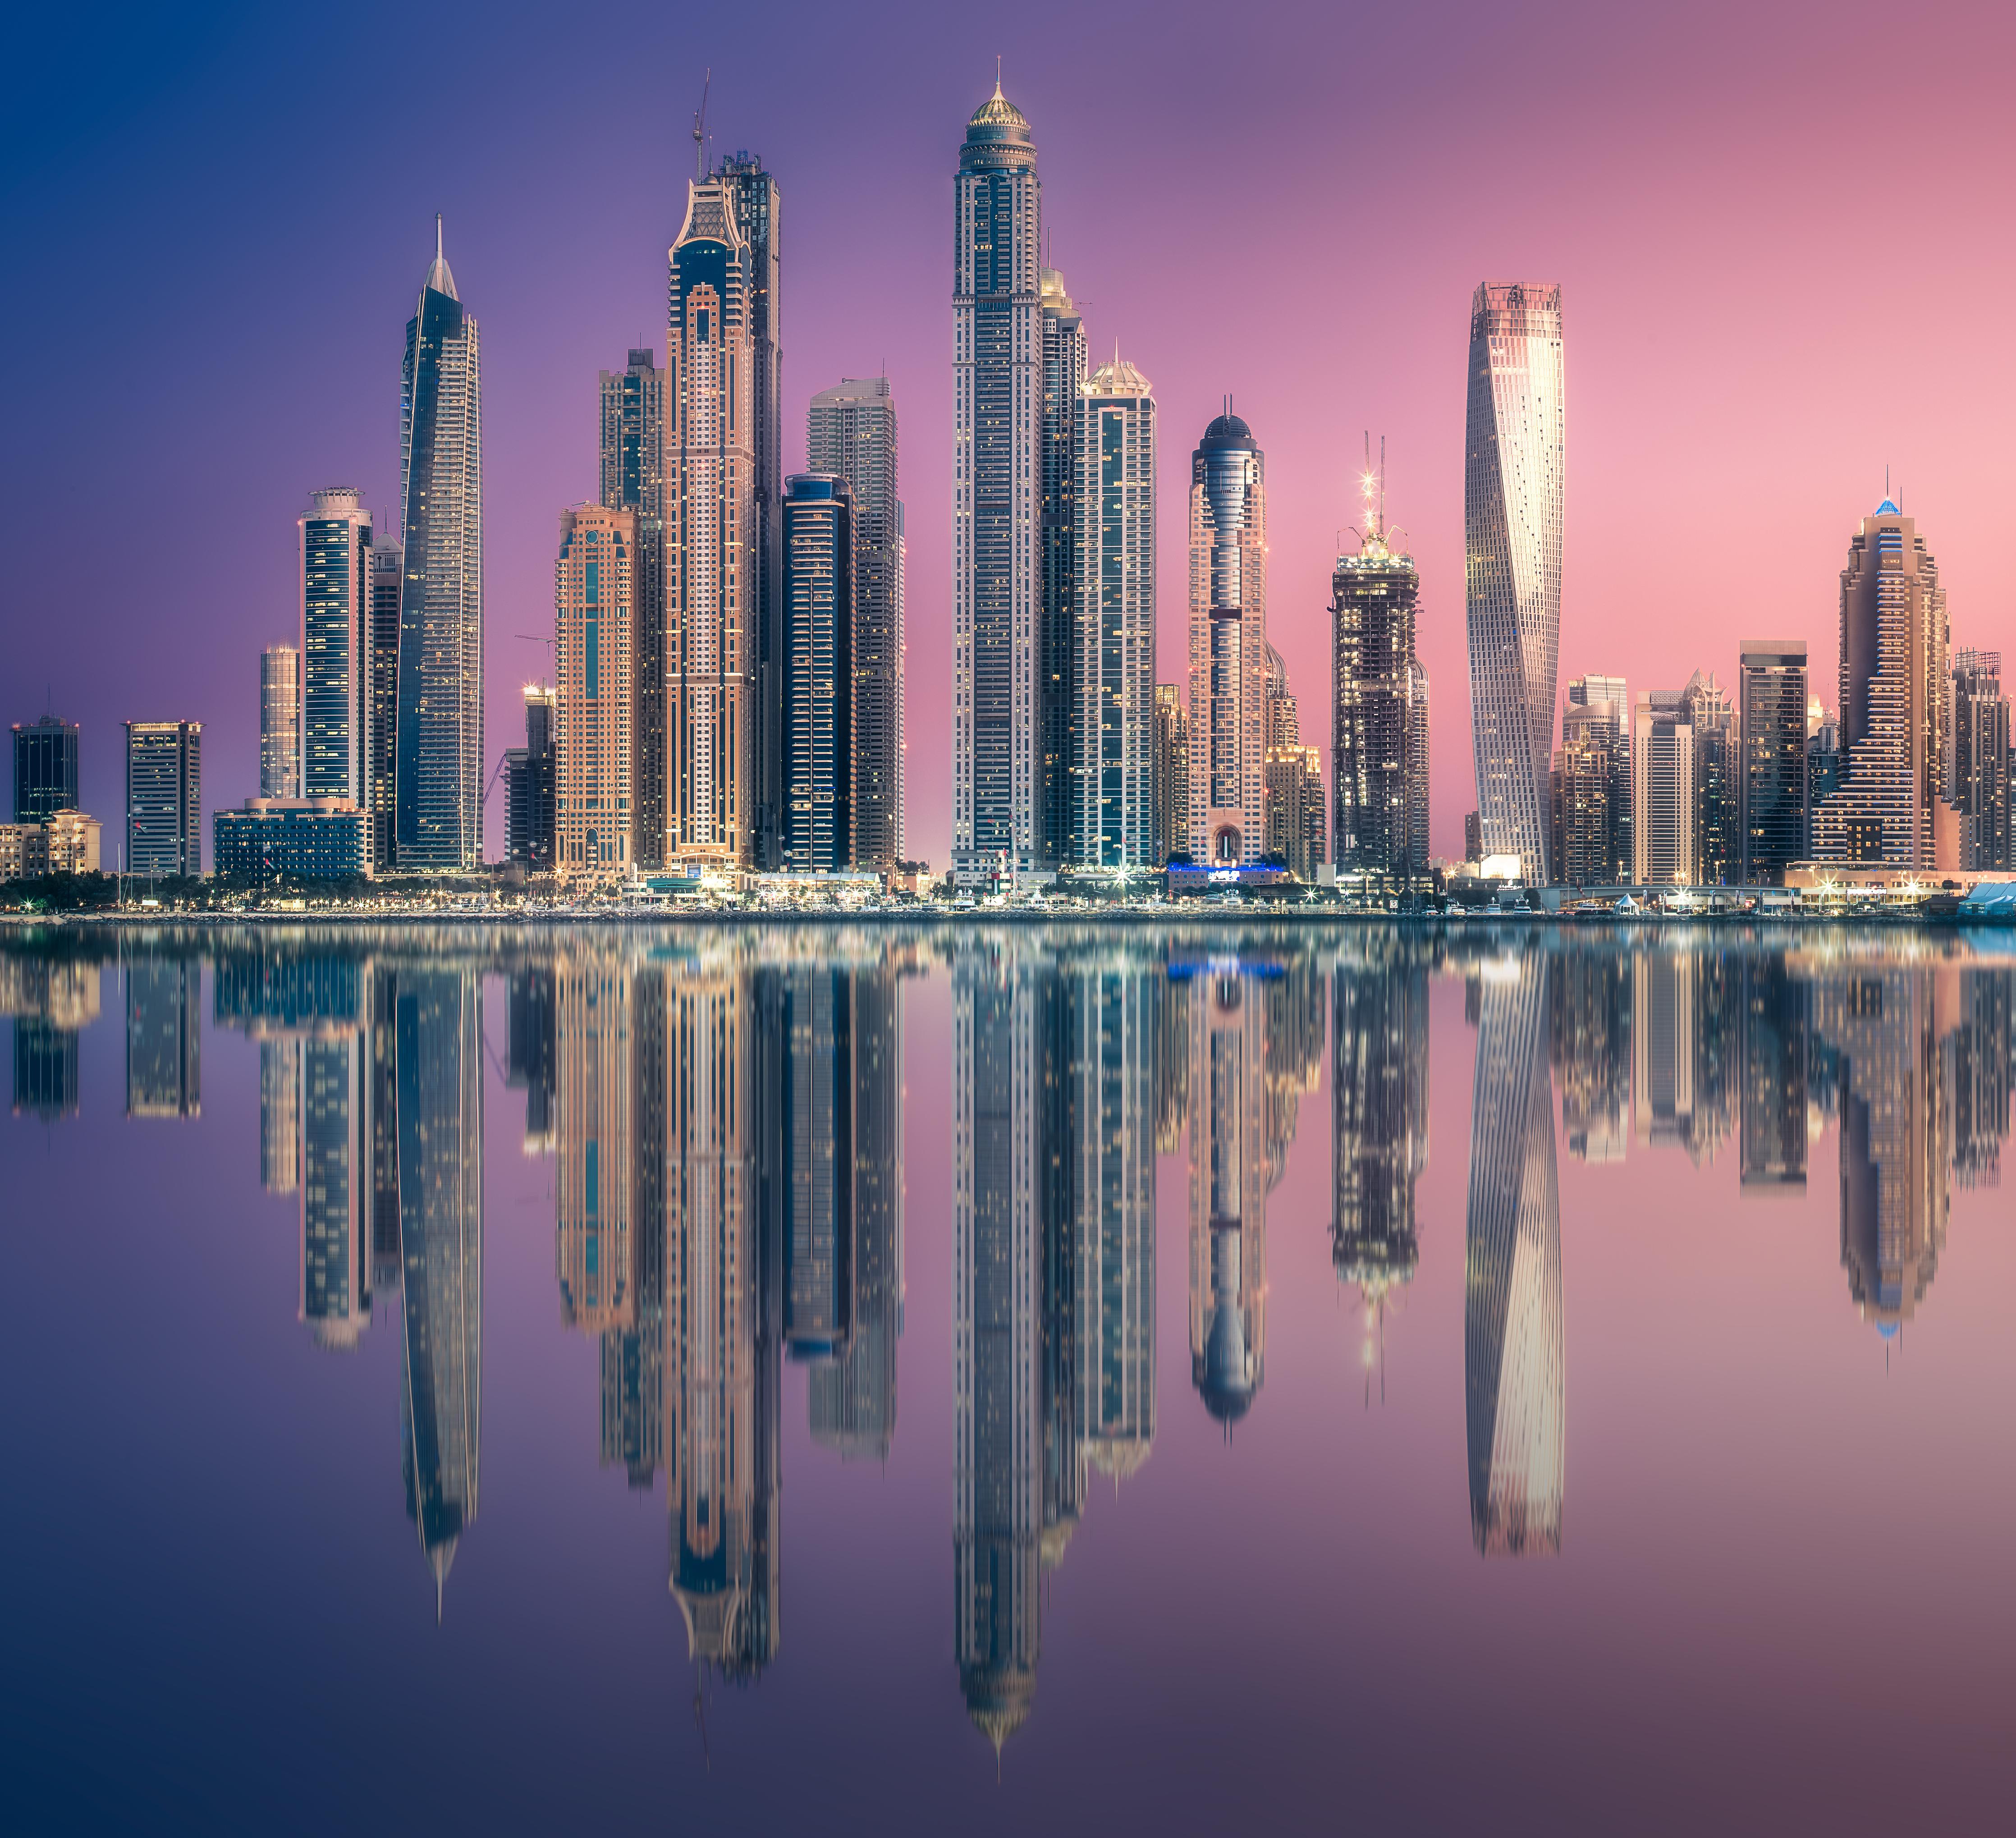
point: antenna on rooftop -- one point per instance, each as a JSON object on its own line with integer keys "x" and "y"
{"x": 699, "y": 126}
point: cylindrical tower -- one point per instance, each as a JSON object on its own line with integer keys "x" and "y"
{"x": 1228, "y": 655}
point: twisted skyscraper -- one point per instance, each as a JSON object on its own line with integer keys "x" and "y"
{"x": 1512, "y": 532}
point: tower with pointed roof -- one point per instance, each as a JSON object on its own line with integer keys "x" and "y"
{"x": 997, "y": 426}
{"x": 437, "y": 743}
{"x": 1891, "y": 807}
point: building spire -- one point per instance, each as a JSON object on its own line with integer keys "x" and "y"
{"x": 438, "y": 256}
{"x": 998, "y": 95}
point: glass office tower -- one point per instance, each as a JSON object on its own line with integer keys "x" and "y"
{"x": 439, "y": 744}
{"x": 818, "y": 674}
{"x": 336, "y": 638}
{"x": 44, "y": 769}
{"x": 1771, "y": 763}
{"x": 633, "y": 479}
{"x": 1512, "y": 529}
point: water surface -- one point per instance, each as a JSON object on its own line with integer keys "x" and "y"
{"x": 1080, "y": 1379}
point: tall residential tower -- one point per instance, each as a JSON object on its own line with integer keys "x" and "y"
{"x": 1229, "y": 649}
{"x": 1512, "y": 529}
{"x": 997, "y": 420}
{"x": 439, "y": 744}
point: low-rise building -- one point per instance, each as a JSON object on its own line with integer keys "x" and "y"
{"x": 67, "y": 843}
{"x": 313, "y": 838}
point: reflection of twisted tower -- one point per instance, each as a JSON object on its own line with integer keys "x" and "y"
{"x": 437, "y": 1029}
{"x": 1513, "y": 1371}
{"x": 1229, "y": 1177}
{"x": 1379, "y": 1094}
{"x": 997, "y": 1515}
{"x": 721, "y": 1394}
{"x": 1114, "y": 1018}
{"x": 1884, "y": 1022}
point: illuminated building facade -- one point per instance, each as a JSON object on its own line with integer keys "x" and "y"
{"x": 817, "y": 677}
{"x": 1981, "y": 781}
{"x": 713, "y": 559}
{"x": 596, "y": 1238}
{"x": 997, "y": 429}
{"x": 1512, "y": 528}
{"x": 279, "y": 722}
{"x": 335, "y": 706}
{"x": 1172, "y": 774}
{"x": 1229, "y": 654}
{"x": 594, "y": 616}
{"x": 633, "y": 479}
{"x": 437, "y": 746}
{"x": 1111, "y": 687}
{"x": 1891, "y": 807}
{"x": 1771, "y": 757}
{"x": 1056, "y": 635}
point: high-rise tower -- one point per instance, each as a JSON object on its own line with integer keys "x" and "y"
{"x": 850, "y": 432}
{"x": 44, "y": 769}
{"x": 1771, "y": 757}
{"x": 816, "y": 835}
{"x": 1229, "y": 649}
{"x": 1113, "y": 676}
{"x": 439, "y": 748}
{"x": 997, "y": 423}
{"x": 1512, "y": 530}
{"x": 1057, "y": 651}
{"x": 593, "y": 624}
{"x": 336, "y": 647}
{"x": 279, "y": 722}
{"x": 633, "y": 479}
{"x": 1891, "y": 807}
{"x": 752, "y": 198}
{"x": 1980, "y": 773}
{"x": 1375, "y": 750}
{"x": 713, "y": 584}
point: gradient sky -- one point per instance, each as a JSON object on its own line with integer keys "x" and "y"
{"x": 1783, "y": 232}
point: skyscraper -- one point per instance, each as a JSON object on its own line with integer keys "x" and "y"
{"x": 1513, "y": 1375}
{"x": 1376, "y": 683}
{"x": 1891, "y": 807}
{"x": 594, "y": 621}
{"x": 164, "y": 797}
{"x": 44, "y": 769}
{"x": 633, "y": 479}
{"x": 997, "y": 423}
{"x": 388, "y": 584}
{"x": 1980, "y": 773}
{"x": 1604, "y": 703}
{"x": 279, "y": 722}
{"x": 1228, "y": 648}
{"x": 335, "y": 654}
{"x": 1111, "y": 735}
{"x": 713, "y": 558}
{"x": 1295, "y": 809}
{"x": 532, "y": 777}
{"x": 1718, "y": 839}
{"x": 851, "y": 433}
{"x": 1512, "y": 528}
{"x": 1056, "y": 636}
{"x": 1771, "y": 780}
{"x": 752, "y": 198}
{"x": 1172, "y": 774}
{"x": 817, "y": 674}
{"x": 439, "y": 744}
{"x": 1663, "y": 830}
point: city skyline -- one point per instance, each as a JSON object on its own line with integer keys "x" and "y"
{"x": 1309, "y": 463}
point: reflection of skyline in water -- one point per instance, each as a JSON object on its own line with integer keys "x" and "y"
{"x": 723, "y": 1112}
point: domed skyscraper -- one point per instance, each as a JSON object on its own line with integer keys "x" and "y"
{"x": 997, "y": 424}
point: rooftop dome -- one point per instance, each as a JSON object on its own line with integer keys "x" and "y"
{"x": 1117, "y": 378}
{"x": 998, "y": 111}
{"x": 1228, "y": 430}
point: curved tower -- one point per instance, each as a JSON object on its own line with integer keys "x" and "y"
{"x": 997, "y": 423}
{"x": 1229, "y": 649}
{"x": 437, "y": 760}
{"x": 1512, "y": 543}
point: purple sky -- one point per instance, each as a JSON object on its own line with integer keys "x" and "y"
{"x": 1783, "y": 234}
